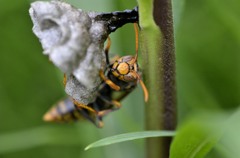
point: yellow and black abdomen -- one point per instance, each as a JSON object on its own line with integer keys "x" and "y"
{"x": 63, "y": 111}
{"x": 66, "y": 111}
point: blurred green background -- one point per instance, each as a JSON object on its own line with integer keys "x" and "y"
{"x": 207, "y": 34}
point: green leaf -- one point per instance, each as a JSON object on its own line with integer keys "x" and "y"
{"x": 194, "y": 141}
{"x": 129, "y": 136}
{"x": 199, "y": 136}
{"x": 230, "y": 141}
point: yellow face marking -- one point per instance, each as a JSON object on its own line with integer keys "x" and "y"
{"x": 115, "y": 65}
{"x": 115, "y": 73}
{"x": 123, "y": 68}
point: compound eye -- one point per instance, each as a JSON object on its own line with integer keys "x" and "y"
{"x": 130, "y": 77}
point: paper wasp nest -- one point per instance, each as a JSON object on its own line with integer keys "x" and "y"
{"x": 74, "y": 41}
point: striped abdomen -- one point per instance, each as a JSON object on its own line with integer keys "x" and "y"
{"x": 63, "y": 111}
{"x": 66, "y": 111}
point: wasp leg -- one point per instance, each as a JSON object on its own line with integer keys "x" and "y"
{"x": 116, "y": 105}
{"x": 109, "y": 82}
{"x": 106, "y": 51}
{"x": 100, "y": 124}
{"x": 91, "y": 116}
{"x": 98, "y": 119}
{"x": 80, "y": 105}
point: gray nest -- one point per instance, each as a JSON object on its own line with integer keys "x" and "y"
{"x": 74, "y": 41}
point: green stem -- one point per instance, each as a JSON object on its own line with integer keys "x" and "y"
{"x": 157, "y": 44}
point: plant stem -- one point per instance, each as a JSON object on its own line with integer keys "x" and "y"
{"x": 157, "y": 43}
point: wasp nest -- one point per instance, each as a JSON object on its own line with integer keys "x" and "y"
{"x": 74, "y": 41}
